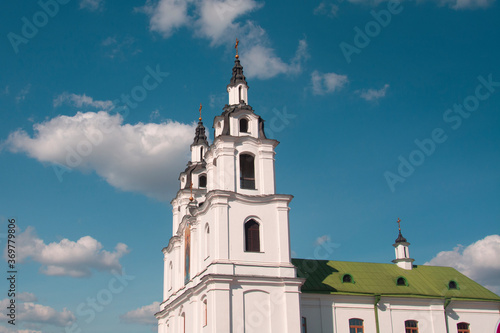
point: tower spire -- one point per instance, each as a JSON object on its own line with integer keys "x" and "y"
{"x": 400, "y": 238}
{"x": 200, "y": 137}
{"x": 238, "y": 86}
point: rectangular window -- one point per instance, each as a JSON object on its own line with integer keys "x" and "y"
{"x": 304, "y": 325}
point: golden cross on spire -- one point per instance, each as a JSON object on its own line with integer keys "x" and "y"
{"x": 200, "y": 111}
{"x": 191, "y": 188}
{"x": 399, "y": 224}
{"x": 236, "y": 47}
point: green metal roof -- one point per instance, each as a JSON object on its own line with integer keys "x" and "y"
{"x": 325, "y": 277}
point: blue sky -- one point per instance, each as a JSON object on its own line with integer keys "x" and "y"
{"x": 383, "y": 110}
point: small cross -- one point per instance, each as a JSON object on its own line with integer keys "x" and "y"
{"x": 200, "y": 111}
{"x": 399, "y": 224}
{"x": 236, "y": 47}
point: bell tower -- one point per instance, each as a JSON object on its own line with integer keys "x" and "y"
{"x": 227, "y": 267}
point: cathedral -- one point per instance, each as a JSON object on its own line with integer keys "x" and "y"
{"x": 228, "y": 265}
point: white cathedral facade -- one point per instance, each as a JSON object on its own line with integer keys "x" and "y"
{"x": 228, "y": 266}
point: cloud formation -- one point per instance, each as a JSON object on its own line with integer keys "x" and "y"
{"x": 142, "y": 315}
{"x": 326, "y": 8}
{"x": 262, "y": 62}
{"x": 322, "y": 239}
{"x": 144, "y": 158}
{"x": 30, "y": 312}
{"x": 480, "y": 261}
{"x": 91, "y": 5}
{"x": 325, "y": 83}
{"x": 21, "y": 96}
{"x": 81, "y": 101}
{"x": 67, "y": 258}
{"x": 220, "y": 21}
{"x": 373, "y": 94}
{"x": 454, "y": 4}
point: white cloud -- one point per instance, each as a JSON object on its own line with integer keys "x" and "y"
{"x": 167, "y": 15}
{"x": 220, "y": 22}
{"x": 26, "y": 297}
{"x": 29, "y": 312}
{"x": 21, "y": 96}
{"x": 322, "y": 239}
{"x": 91, "y": 5}
{"x": 142, "y": 315}
{"x": 145, "y": 158}
{"x": 261, "y": 62}
{"x": 454, "y": 4}
{"x": 467, "y": 4}
{"x": 480, "y": 261}
{"x": 81, "y": 101}
{"x": 326, "y": 8}
{"x": 373, "y": 94}
{"x": 120, "y": 48}
{"x": 67, "y": 258}
{"x": 324, "y": 83}
{"x": 154, "y": 115}
{"x": 216, "y": 18}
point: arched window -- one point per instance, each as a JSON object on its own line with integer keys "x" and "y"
{"x": 207, "y": 241}
{"x": 356, "y": 325}
{"x": 202, "y": 181}
{"x": 201, "y": 153}
{"x": 205, "y": 312}
{"x": 452, "y": 285}
{"x": 252, "y": 236}
{"x": 347, "y": 278}
{"x": 401, "y": 281}
{"x": 247, "y": 171}
{"x": 243, "y": 125}
{"x": 170, "y": 276}
{"x": 239, "y": 94}
{"x": 411, "y": 326}
{"x": 463, "y": 328}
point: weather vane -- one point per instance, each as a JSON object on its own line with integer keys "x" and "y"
{"x": 236, "y": 47}
{"x": 399, "y": 224}
{"x": 200, "y": 111}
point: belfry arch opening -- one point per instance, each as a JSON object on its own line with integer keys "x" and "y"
{"x": 247, "y": 171}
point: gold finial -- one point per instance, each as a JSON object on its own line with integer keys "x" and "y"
{"x": 191, "y": 188}
{"x": 200, "y": 112}
{"x": 399, "y": 224}
{"x": 236, "y": 47}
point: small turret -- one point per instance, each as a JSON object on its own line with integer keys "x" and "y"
{"x": 401, "y": 245}
{"x": 200, "y": 144}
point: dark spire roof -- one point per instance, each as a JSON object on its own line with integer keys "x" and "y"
{"x": 400, "y": 238}
{"x": 200, "y": 137}
{"x": 238, "y": 76}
